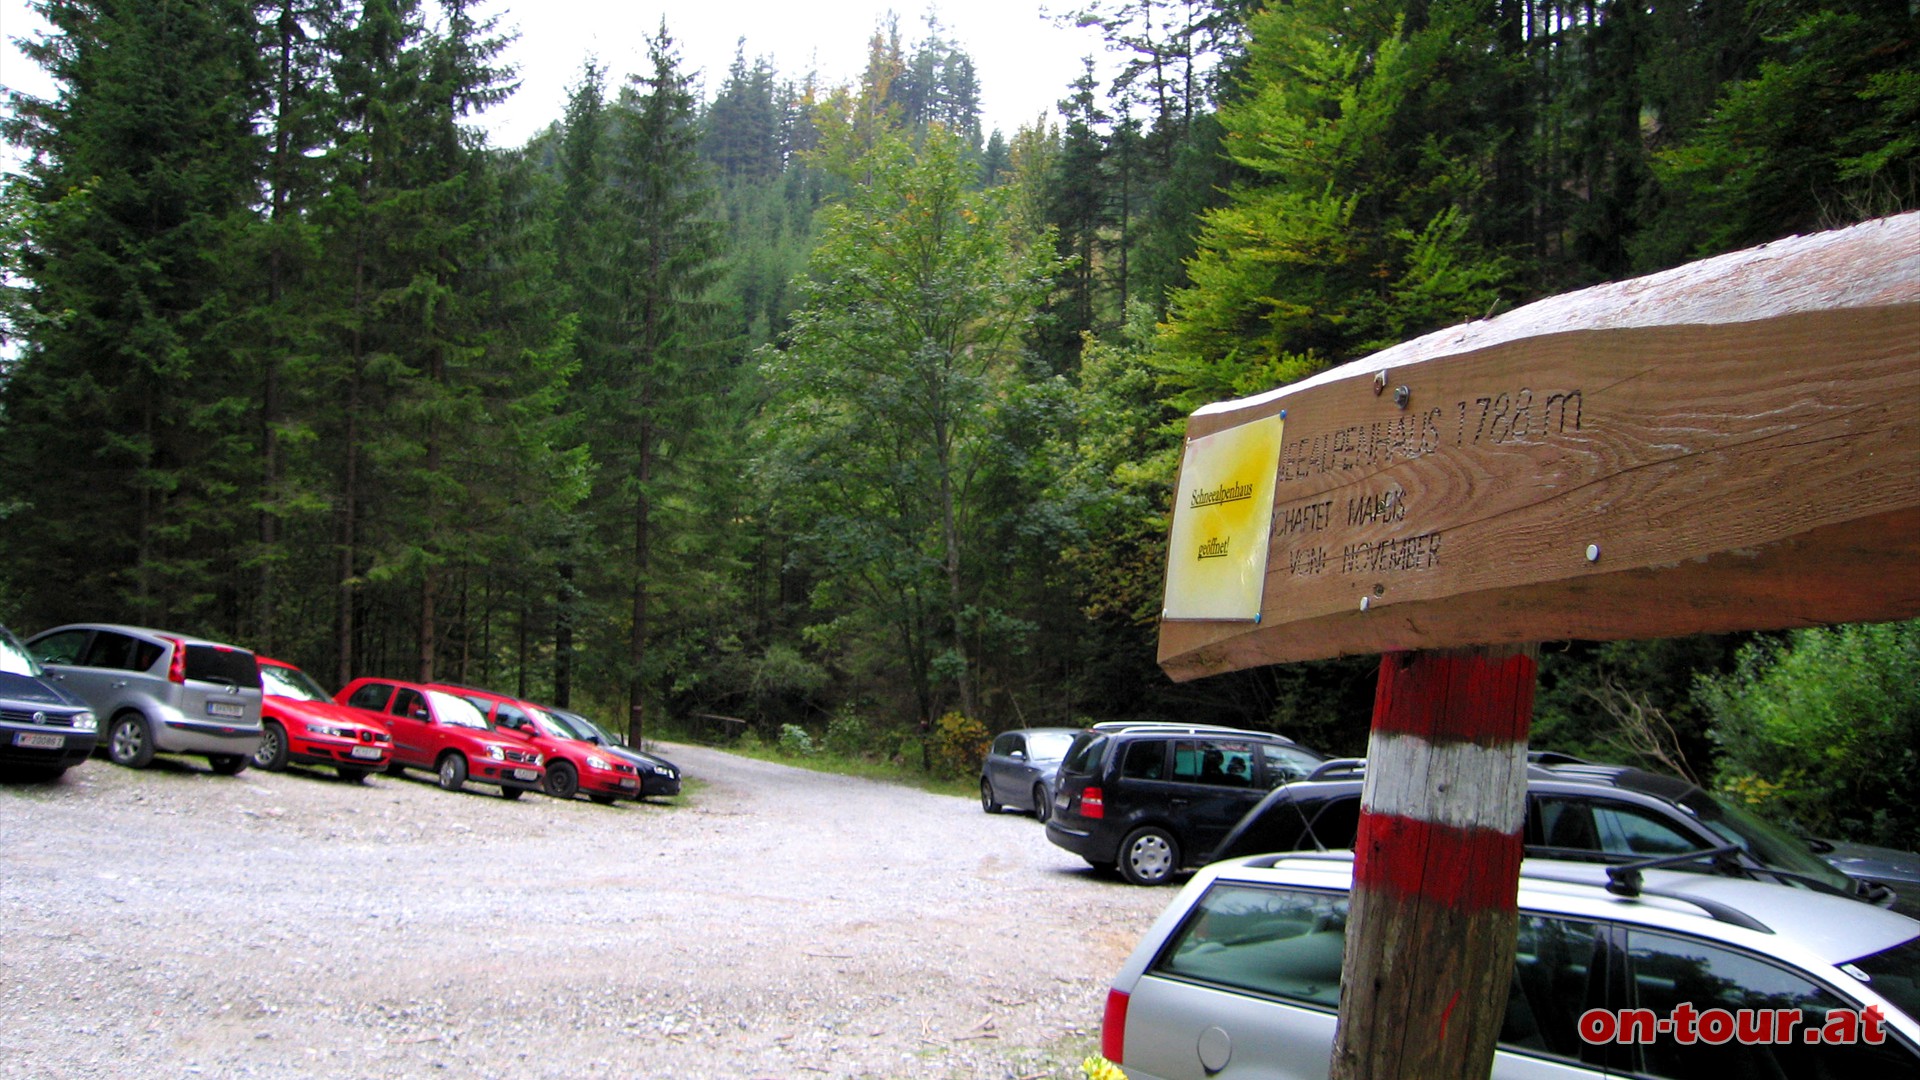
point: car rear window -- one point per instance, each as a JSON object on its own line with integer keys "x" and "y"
{"x": 1085, "y": 756}
{"x": 1271, "y": 941}
{"x": 218, "y": 663}
{"x": 1295, "y": 824}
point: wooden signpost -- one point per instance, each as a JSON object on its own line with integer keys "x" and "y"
{"x": 1732, "y": 445}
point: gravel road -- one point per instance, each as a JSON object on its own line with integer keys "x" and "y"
{"x": 773, "y": 922}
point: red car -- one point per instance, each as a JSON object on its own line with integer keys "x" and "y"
{"x": 435, "y": 730}
{"x": 574, "y": 766}
{"x": 300, "y": 724}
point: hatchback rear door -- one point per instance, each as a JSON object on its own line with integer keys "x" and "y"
{"x": 221, "y": 685}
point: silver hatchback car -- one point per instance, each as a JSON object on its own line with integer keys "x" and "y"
{"x": 1666, "y": 975}
{"x": 158, "y": 692}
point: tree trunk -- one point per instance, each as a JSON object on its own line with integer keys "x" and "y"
{"x": 956, "y": 596}
{"x": 642, "y": 558}
{"x": 563, "y": 638}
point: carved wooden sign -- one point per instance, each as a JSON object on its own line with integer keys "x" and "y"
{"x": 1734, "y": 444}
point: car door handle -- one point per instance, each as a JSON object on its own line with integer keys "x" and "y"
{"x": 1178, "y": 802}
{"x": 120, "y": 685}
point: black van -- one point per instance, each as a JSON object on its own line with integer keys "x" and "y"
{"x": 1151, "y": 799}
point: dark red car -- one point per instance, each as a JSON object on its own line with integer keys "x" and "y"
{"x": 436, "y": 730}
{"x": 300, "y": 724}
{"x": 574, "y": 766}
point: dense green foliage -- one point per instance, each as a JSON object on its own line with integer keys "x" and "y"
{"x": 1823, "y": 730}
{"x": 813, "y": 404}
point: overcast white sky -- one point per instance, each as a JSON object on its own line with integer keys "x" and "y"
{"x": 1025, "y": 61}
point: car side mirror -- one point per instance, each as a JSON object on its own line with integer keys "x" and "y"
{"x": 1020, "y": 754}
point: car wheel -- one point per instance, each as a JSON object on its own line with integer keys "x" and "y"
{"x": 1149, "y": 856}
{"x": 987, "y": 802}
{"x": 1042, "y": 806}
{"x": 271, "y": 754}
{"x": 351, "y": 775}
{"x": 511, "y": 793}
{"x": 227, "y": 764}
{"x": 129, "y": 742}
{"x": 453, "y": 772}
{"x": 562, "y": 781}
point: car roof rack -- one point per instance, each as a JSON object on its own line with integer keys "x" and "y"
{"x": 1628, "y": 881}
{"x": 1174, "y": 727}
{"x": 1342, "y": 768}
{"x": 1347, "y": 768}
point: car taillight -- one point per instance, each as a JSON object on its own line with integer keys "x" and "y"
{"x": 1113, "y": 1027}
{"x": 1093, "y": 803}
{"x": 177, "y": 668}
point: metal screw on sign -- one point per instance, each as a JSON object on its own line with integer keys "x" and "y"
{"x": 1593, "y": 552}
{"x": 1400, "y": 396}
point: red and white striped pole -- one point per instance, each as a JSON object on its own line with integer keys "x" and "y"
{"x": 1430, "y": 930}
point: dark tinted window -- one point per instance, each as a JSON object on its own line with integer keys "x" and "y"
{"x": 1896, "y": 974}
{"x": 372, "y": 696}
{"x": 1608, "y": 826}
{"x": 1146, "y": 760}
{"x": 1294, "y": 824}
{"x": 1669, "y": 971}
{"x": 61, "y": 648}
{"x": 409, "y": 703}
{"x": 1085, "y": 756}
{"x": 1006, "y": 744}
{"x": 215, "y": 663}
{"x": 1553, "y": 964}
{"x": 120, "y": 652}
{"x": 1285, "y": 764}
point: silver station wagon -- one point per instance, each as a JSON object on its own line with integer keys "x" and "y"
{"x": 158, "y": 692}
{"x": 1240, "y": 978}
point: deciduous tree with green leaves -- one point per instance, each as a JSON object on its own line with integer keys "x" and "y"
{"x": 905, "y": 347}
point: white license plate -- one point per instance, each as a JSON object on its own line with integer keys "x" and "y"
{"x": 226, "y": 708}
{"x": 39, "y": 741}
{"x": 525, "y": 774}
{"x": 629, "y": 783}
{"x": 366, "y": 752}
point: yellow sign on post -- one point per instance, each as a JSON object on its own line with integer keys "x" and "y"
{"x": 1222, "y": 522}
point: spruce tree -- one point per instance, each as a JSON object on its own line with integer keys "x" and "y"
{"x": 127, "y": 441}
{"x": 658, "y": 371}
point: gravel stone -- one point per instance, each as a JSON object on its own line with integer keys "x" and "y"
{"x": 773, "y": 922}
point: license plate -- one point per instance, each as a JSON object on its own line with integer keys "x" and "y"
{"x": 525, "y": 774}
{"x": 629, "y": 783}
{"x": 39, "y": 741}
{"x": 366, "y": 752}
{"x": 226, "y": 708}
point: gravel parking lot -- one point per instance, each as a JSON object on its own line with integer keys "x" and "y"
{"x": 773, "y": 922}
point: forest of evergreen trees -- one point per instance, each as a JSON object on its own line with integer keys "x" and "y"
{"x": 809, "y": 397}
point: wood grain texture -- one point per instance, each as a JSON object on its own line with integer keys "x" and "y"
{"x": 1430, "y": 934}
{"x": 1734, "y": 445}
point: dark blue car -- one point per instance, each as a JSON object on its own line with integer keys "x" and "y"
{"x": 44, "y": 731}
